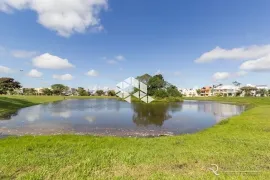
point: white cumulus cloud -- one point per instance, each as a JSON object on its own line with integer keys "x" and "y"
{"x": 221, "y": 75}
{"x": 92, "y": 73}
{"x": 23, "y": 54}
{"x": 260, "y": 64}
{"x": 66, "y": 17}
{"x": 64, "y": 77}
{"x": 35, "y": 73}
{"x": 48, "y": 61}
{"x": 242, "y": 53}
{"x": 4, "y": 69}
{"x": 120, "y": 58}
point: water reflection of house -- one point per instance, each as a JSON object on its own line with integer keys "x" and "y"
{"x": 221, "y": 111}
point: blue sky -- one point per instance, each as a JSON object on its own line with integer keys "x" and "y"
{"x": 112, "y": 40}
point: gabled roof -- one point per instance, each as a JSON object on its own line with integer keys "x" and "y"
{"x": 227, "y": 87}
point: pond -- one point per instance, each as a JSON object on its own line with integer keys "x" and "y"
{"x": 117, "y": 118}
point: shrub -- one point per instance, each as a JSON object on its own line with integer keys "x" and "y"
{"x": 111, "y": 93}
{"x": 173, "y": 91}
{"x": 161, "y": 93}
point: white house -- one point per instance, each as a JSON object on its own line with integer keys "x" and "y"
{"x": 262, "y": 87}
{"x": 226, "y": 90}
{"x": 39, "y": 91}
{"x": 265, "y": 87}
{"x": 258, "y": 87}
{"x": 188, "y": 92}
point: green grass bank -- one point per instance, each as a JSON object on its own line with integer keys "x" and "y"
{"x": 240, "y": 146}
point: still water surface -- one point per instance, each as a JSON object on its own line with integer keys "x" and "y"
{"x": 117, "y": 118}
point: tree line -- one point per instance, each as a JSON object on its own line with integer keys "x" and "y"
{"x": 157, "y": 87}
{"x": 10, "y": 86}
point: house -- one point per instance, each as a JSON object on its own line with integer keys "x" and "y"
{"x": 71, "y": 92}
{"x": 256, "y": 89}
{"x": 258, "y": 86}
{"x": 226, "y": 90}
{"x": 262, "y": 90}
{"x": 188, "y": 92}
{"x": 265, "y": 87}
{"x": 39, "y": 91}
{"x": 206, "y": 91}
{"x": 19, "y": 91}
{"x": 106, "y": 90}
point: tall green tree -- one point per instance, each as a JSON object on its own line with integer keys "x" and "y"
{"x": 8, "y": 85}
{"x": 248, "y": 90}
{"x": 217, "y": 85}
{"x": 82, "y": 92}
{"x": 144, "y": 78}
{"x": 58, "y": 89}
{"x": 111, "y": 93}
{"x": 100, "y": 92}
{"x": 155, "y": 83}
{"x": 158, "y": 87}
{"x": 262, "y": 92}
{"x": 47, "y": 91}
{"x": 236, "y": 83}
{"x": 173, "y": 91}
{"x": 29, "y": 91}
{"x": 161, "y": 93}
{"x": 198, "y": 91}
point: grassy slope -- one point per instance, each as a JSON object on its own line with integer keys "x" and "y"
{"x": 13, "y": 103}
{"x": 241, "y": 143}
{"x": 9, "y": 104}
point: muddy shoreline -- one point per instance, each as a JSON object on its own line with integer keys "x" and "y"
{"x": 94, "y": 132}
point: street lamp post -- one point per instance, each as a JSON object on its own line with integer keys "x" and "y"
{"x": 21, "y": 75}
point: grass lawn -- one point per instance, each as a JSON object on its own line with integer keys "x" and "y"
{"x": 241, "y": 143}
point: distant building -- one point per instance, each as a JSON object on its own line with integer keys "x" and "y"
{"x": 262, "y": 87}
{"x": 92, "y": 92}
{"x": 19, "y": 91}
{"x": 189, "y": 92}
{"x": 72, "y": 92}
{"x": 106, "y": 89}
{"x": 39, "y": 91}
{"x": 206, "y": 91}
{"x": 226, "y": 90}
{"x": 258, "y": 87}
{"x": 250, "y": 85}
